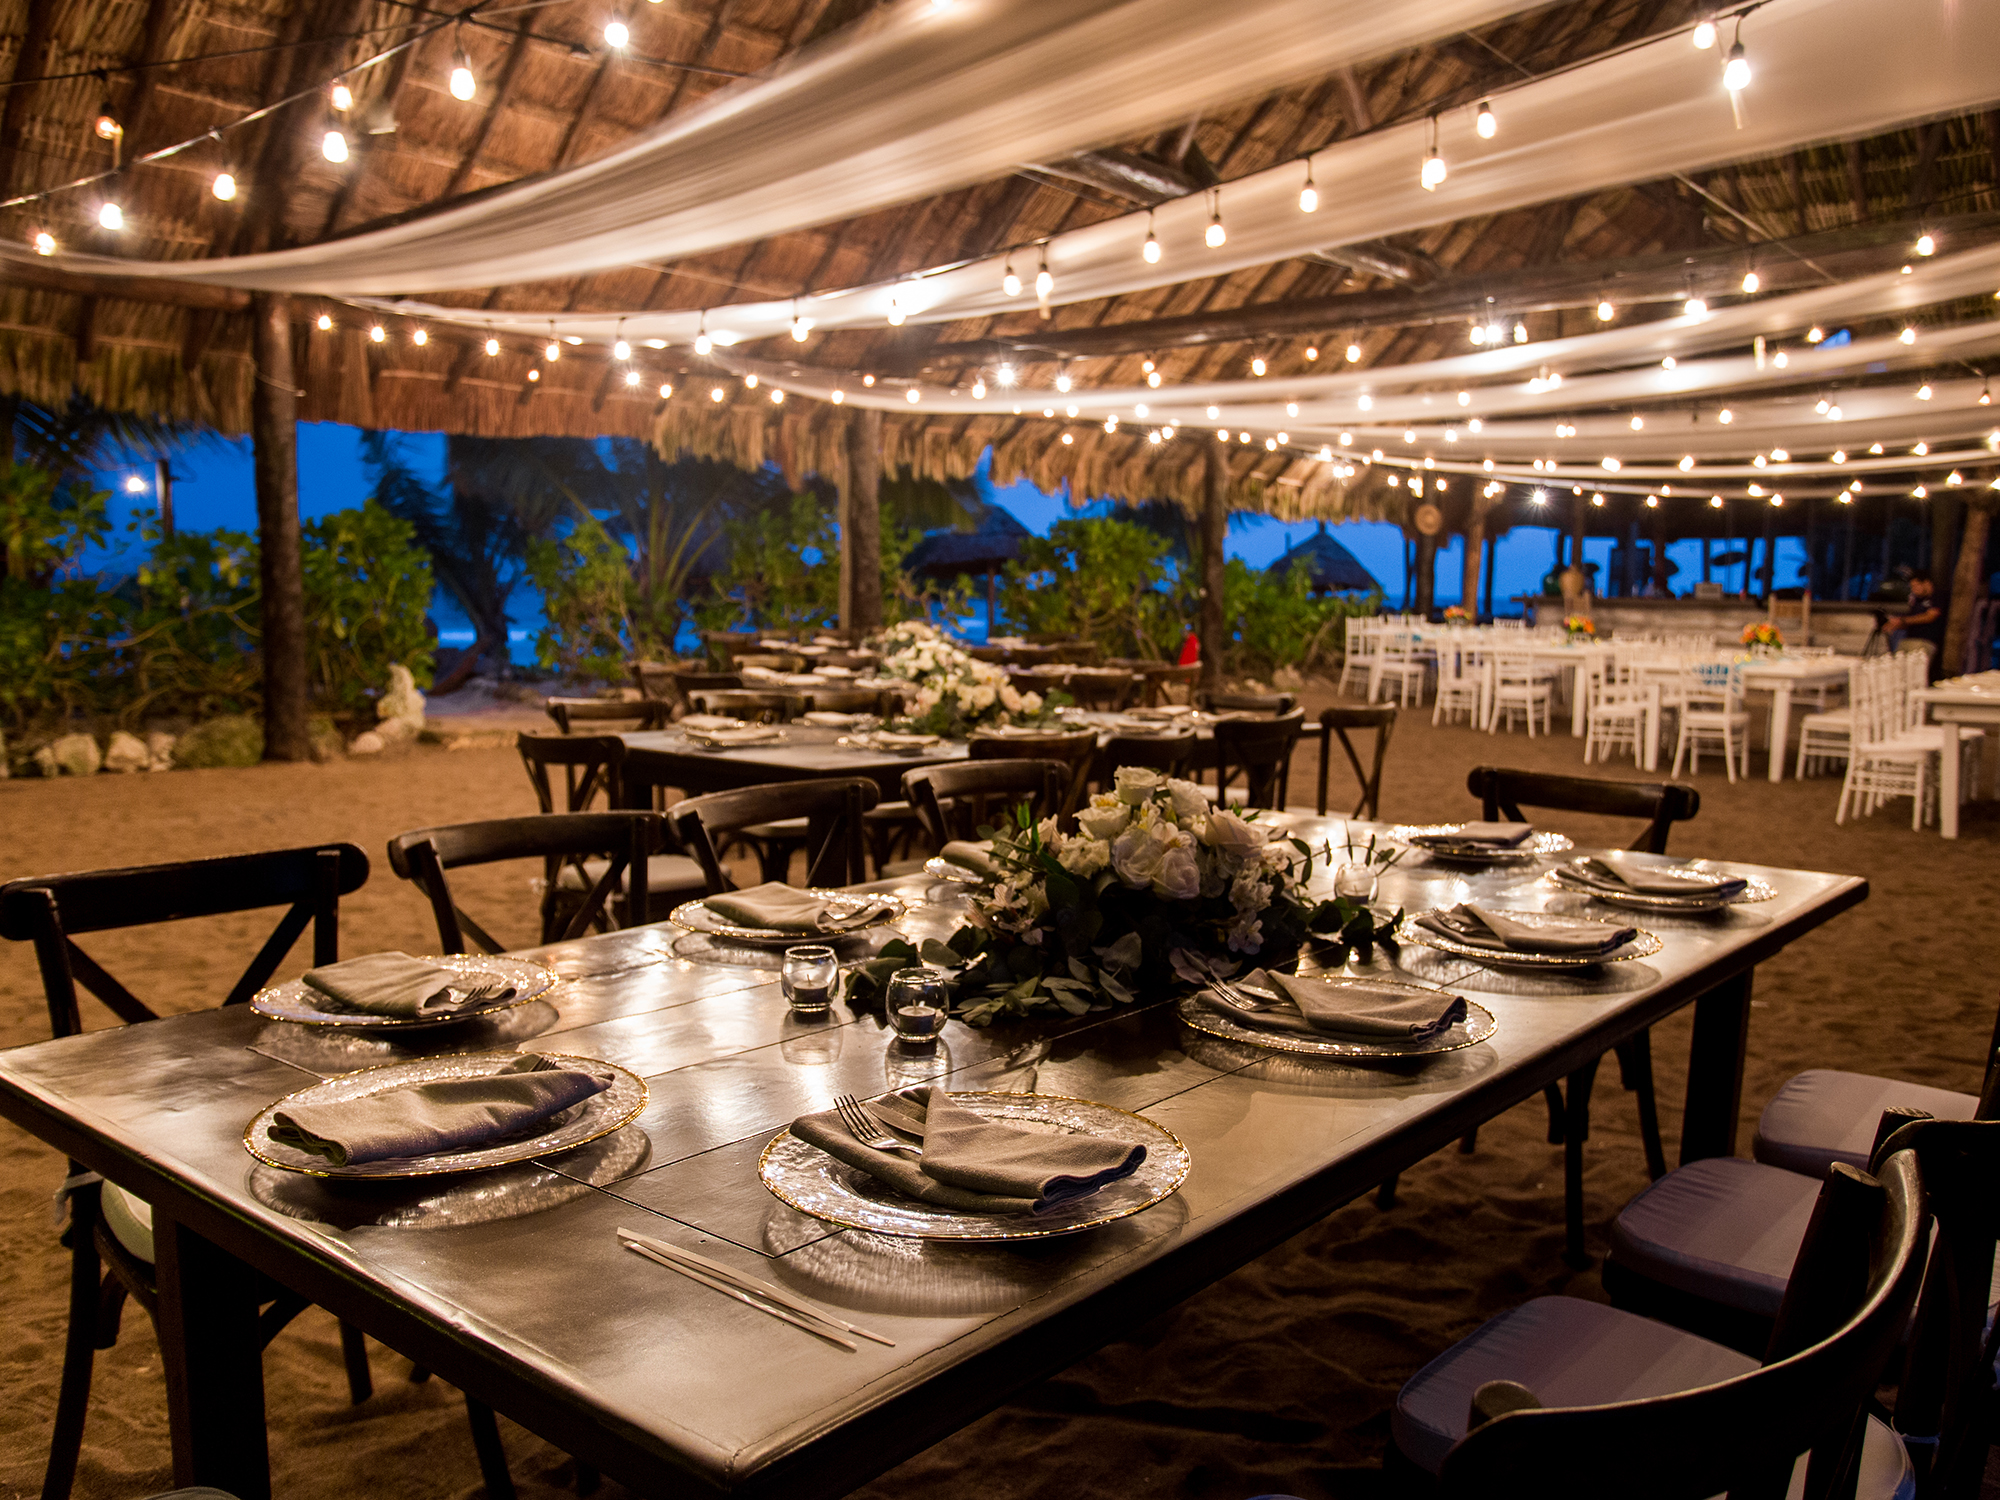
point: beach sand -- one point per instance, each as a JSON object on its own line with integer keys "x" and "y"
{"x": 1279, "y": 1378}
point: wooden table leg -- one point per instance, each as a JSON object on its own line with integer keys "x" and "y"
{"x": 214, "y": 1357}
{"x": 1715, "y": 1070}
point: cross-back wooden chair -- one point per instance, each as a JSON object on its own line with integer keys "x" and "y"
{"x": 653, "y": 679}
{"x": 832, "y": 807}
{"x": 1077, "y": 750}
{"x": 622, "y": 840}
{"x": 882, "y": 702}
{"x": 1158, "y": 679}
{"x": 1107, "y": 692}
{"x": 643, "y": 713}
{"x": 1260, "y": 750}
{"x": 752, "y": 705}
{"x": 110, "y": 1232}
{"x": 1169, "y": 754}
{"x": 1246, "y": 703}
{"x": 954, "y": 801}
{"x": 1334, "y": 723}
{"x": 593, "y": 766}
{"x": 686, "y": 684}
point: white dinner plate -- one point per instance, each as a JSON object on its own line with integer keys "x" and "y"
{"x": 696, "y": 917}
{"x": 1477, "y": 1026}
{"x": 300, "y": 1002}
{"x": 1753, "y": 890}
{"x": 1643, "y": 945}
{"x": 1424, "y": 837}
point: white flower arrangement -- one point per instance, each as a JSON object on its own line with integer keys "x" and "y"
{"x": 956, "y": 692}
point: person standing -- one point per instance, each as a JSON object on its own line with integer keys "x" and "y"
{"x": 1923, "y": 620}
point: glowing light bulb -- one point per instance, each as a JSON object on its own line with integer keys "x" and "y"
{"x": 1605, "y": 311}
{"x": 1477, "y": 333}
{"x": 1907, "y": 336}
{"x": 913, "y": 395}
{"x": 1736, "y": 72}
{"x": 1833, "y": 414}
{"x": 1365, "y": 402}
{"x": 632, "y": 378}
{"x": 1353, "y": 354}
{"x": 1815, "y": 334}
{"x": 1005, "y": 375}
{"x": 534, "y": 374}
{"x": 1715, "y": 502}
{"x": 324, "y": 322}
{"x": 1044, "y": 282}
{"x": 1063, "y": 382}
{"x": 1638, "y": 424}
{"x": 1068, "y": 439}
{"x": 1153, "y": 379}
{"x": 749, "y": 382}
{"x": 1704, "y": 34}
{"x": 1669, "y": 363}
{"x": 1010, "y": 283}
{"x": 1258, "y": 366}
{"x": 1686, "y": 464}
{"x": 1751, "y": 281}
{"x": 1291, "y": 408}
{"x": 1924, "y": 391}
{"x": 111, "y": 216}
{"x": 420, "y": 338}
{"x": 616, "y": 34}
{"x": 553, "y": 351}
{"x": 666, "y": 390}
{"x": 378, "y": 334}
{"x": 45, "y": 243}
{"x": 1409, "y": 434}
{"x": 1465, "y": 398}
{"x": 224, "y": 186}
{"x": 838, "y": 396}
{"x": 1840, "y": 455}
{"x": 1484, "y": 123}
{"x": 777, "y": 396}
{"x": 1214, "y": 412}
{"x": 621, "y": 350}
{"x": 107, "y": 126}
{"x": 463, "y": 84}
{"x": 1520, "y": 333}
{"x": 333, "y": 146}
{"x": 341, "y": 97}
{"x": 1695, "y": 307}
{"x": 715, "y": 393}
{"x": 1921, "y": 449}
{"x": 1725, "y": 416}
{"x": 1216, "y": 236}
{"x": 1926, "y": 245}
{"x": 492, "y": 346}
{"x": 1476, "y": 425}
{"x": 1433, "y": 174}
{"x": 703, "y": 343}
{"x": 1150, "y": 251}
{"x": 979, "y": 388}
{"x": 895, "y": 313}
{"x": 1309, "y": 195}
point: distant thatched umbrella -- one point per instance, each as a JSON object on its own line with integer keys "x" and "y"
{"x": 953, "y": 554}
{"x": 1331, "y": 567}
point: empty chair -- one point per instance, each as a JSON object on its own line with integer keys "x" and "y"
{"x": 685, "y": 684}
{"x": 110, "y": 1236}
{"x": 653, "y": 679}
{"x": 1077, "y": 750}
{"x": 592, "y": 768}
{"x": 753, "y": 706}
{"x": 1397, "y": 661}
{"x": 1465, "y": 681}
{"x": 1169, "y": 754}
{"x": 1106, "y": 691}
{"x": 641, "y": 713}
{"x": 882, "y": 702}
{"x": 1357, "y": 659}
{"x": 1246, "y": 703}
{"x": 1828, "y": 734}
{"x": 1711, "y": 712}
{"x": 622, "y": 840}
{"x": 831, "y": 806}
{"x": 1335, "y": 723}
{"x": 956, "y": 801}
{"x": 1260, "y": 750}
{"x": 1518, "y": 684}
{"x": 1623, "y": 715}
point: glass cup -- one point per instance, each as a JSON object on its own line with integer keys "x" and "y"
{"x": 1355, "y": 881}
{"x": 810, "y": 974}
{"x": 917, "y": 1001}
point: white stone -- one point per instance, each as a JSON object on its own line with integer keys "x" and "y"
{"x": 45, "y": 761}
{"x": 160, "y": 750}
{"x": 1287, "y": 680}
{"x": 368, "y": 742}
{"x": 402, "y": 701}
{"x": 126, "y": 753}
{"x": 398, "y": 731}
{"x": 76, "y": 755}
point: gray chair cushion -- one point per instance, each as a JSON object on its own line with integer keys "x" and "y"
{"x": 1569, "y": 1353}
{"x": 666, "y": 874}
{"x": 1821, "y": 1116}
{"x": 1724, "y": 1229}
{"x": 129, "y": 1219}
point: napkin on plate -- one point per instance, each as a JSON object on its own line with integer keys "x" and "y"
{"x": 1348, "y": 1010}
{"x": 1614, "y": 872}
{"x": 976, "y": 857}
{"x": 425, "y": 1119}
{"x": 707, "y": 721}
{"x": 891, "y": 739}
{"x": 1486, "y": 927}
{"x": 1488, "y": 835}
{"x": 784, "y": 908}
{"x": 971, "y": 1163}
{"x": 827, "y": 719}
{"x": 737, "y": 734}
{"x": 399, "y": 986}
{"x": 1015, "y": 732}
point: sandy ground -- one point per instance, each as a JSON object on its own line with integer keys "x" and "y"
{"x": 1279, "y": 1378}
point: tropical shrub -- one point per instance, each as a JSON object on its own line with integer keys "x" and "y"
{"x": 1101, "y": 580}
{"x": 1276, "y": 620}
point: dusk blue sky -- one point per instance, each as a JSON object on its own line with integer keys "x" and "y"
{"x": 213, "y": 487}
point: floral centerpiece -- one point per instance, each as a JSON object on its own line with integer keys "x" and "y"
{"x": 1457, "y": 614}
{"x": 1764, "y": 634}
{"x": 1580, "y": 627}
{"x": 956, "y": 692}
{"x": 1157, "y": 888}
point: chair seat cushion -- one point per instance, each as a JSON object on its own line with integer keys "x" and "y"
{"x": 1569, "y": 1353}
{"x": 665, "y": 874}
{"x": 1723, "y": 1229}
{"x": 129, "y": 1219}
{"x": 1822, "y": 1116}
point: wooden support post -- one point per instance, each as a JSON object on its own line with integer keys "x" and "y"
{"x": 163, "y": 487}
{"x": 862, "y": 540}
{"x": 1768, "y": 574}
{"x": 1965, "y": 585}
{"x": 1427, "y": 554}
{"x": 1213, "y": 523}
{"x": 1475, "y": 547}
{"x": 274, "y": 433}
{"x": 1492, "y": 561}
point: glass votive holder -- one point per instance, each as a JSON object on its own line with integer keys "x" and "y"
{"x": 917, "y": 1001}
{"x": 1356, "y": 882}
{"x": 810, "y": 973}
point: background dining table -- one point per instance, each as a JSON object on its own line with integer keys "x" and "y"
{"x": 1972, "y": 700}
{"x": 512, "y": 1285}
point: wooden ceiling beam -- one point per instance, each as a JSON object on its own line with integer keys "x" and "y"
{"x": 503, "y": 92}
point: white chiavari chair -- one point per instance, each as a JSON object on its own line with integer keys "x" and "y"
{"x": 1712, "y": 713}
{"x": 1465, "y": 675}
{"x": 1519, "y": 685}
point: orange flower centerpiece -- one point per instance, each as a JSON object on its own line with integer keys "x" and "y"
{"x": 1580, "y": 627}
{"x": 1763, "y": 634}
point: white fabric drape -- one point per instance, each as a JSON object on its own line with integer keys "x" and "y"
{"x": 1824, "y": 70}
{"x": 929, "y": 100}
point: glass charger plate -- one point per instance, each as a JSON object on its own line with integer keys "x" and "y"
{"x": 1753, "y": 890}
{"x": 1538, "y": 846}
{"x": 596, "y": 1116}
{"x": 299, "y": 1002}
{"x": 1643, "y": 945}
{"x": 696, "y": 917}
{"x": 1477, "y": 1026}
{"x": 813, "y": 1182}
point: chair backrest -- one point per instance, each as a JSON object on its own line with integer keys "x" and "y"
{"x": 684, "y": 683}
{"x": 1077, "y": 750}
{"x": 1714, "y": 683}
{"x": 750, "y": 704}
{"x": 1739, "y": 1436}
{"x": 1261, "y": 749}
{"x": 1504, "y": 792}
{"x": 647, "y": 713}
{"x": 852, "y": 700}
{"x": 590, "y": 763}
{"x": 832, "y": 807}
{"x": 624, "y": 840}
{"x": 1110, "y": 691}
{"x": 1170, "y": 754}
{"x": 653, "y": 679}
{"x": 1247, "y": 703}
{"x": 723, "y": 646}
{"x": 51, "y": 911}
{"x": 1335, "y": 722}
{"x": 1159, "y": 679}
{"x": 956, "y": 800}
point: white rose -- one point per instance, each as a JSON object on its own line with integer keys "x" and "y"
{"x": 1135, "y": 784}
{"x": 1230, "y": 836}
{"x": 1179, "y": 878}
{"x": 927, "y": 699}
{"x": 1190, "y": 801}
{"x": 1105, "y": 818}
{"x": 982, "y": 697}
{"x": 1031, "y": 703}
{"x": 1137, "y": 853}
{"x": 1084, "y": 857}
{"x": 1010, "y": 699}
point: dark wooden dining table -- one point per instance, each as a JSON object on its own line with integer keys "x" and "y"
{"x": 512, "y": 1284}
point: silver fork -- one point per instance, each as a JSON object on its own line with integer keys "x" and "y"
{"x": 1235, "y": 999}
{"x": 486, "y": 989}
{"x": 868, "y": 1130}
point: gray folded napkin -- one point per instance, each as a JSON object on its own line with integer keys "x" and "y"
{"x": 784, "y": 908}
{"x": 894, "y": 739}
{"x": 737, "y": 734}
{"x": 971, "y": 1163}
{"x": 827, "y": 719}
{"x": 977, "y": 857}
{"x": 1486, "y": 927}
{"x": 1613, "y": 872}
{"x": 1483, "y": 835}
{"x": 426, "y": 1119}
{"x": 707, "y": 721}
{"x": 1352, "y": 1010}
{"x": 1166, "y": 712}
{"x": 399, "y": 986}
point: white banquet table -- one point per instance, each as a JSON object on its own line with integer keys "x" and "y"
{"x": 1958, "y": 700}
{"x": 1782, "y": 676}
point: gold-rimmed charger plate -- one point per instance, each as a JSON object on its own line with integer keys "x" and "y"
{"x": 940, "y": 868}
{"x": 1642, "y": 945}
{"x": 696, "y": 917}
{"x": 1754, "y": 890}
{"x": 599, "y": 1115}
{"x": 299, "y": 1002}
{"x": 814, "y": 1183}
{"x": 1537, "y": 846}
{"x": 1477, "y": 1027}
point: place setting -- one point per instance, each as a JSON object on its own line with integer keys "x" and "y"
{"x": 396, "y": 992}
{"x": 1481, "y": 843}
{"x": 1654, "y": 883}
{"x": 1334, "y": 1015}
{"x": 1513, "y": 939}
{"x": 775, "y": 915}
